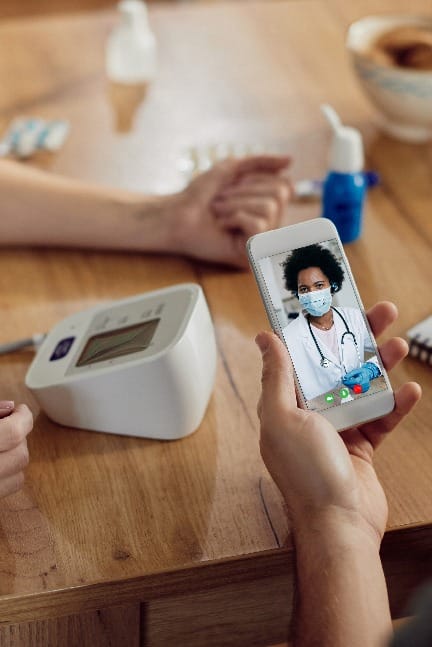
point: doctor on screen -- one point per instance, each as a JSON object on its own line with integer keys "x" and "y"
{"x": 326, "y": 343}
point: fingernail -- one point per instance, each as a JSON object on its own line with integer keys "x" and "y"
{"x": 6, "y": 405}
{"x": 262, "y": 341}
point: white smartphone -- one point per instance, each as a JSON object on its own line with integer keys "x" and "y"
{"x": 313, "y": 305}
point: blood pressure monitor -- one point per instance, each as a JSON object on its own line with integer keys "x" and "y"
{"x": 141, "y": 366}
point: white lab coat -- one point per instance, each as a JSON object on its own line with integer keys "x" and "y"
{"x": 315, "y": 379}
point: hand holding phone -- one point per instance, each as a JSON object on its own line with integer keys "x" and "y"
{"x": 316, "y": 469}
{"x": 314, "y": 307}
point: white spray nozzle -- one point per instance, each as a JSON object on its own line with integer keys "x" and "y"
{"x": 331, "y": 115}
{"x": 132, "y": 7}
{"x": 346, "y": 151}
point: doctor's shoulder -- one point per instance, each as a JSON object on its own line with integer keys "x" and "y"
{"x": 356, "y": 322}
{"x": 354, "y": 315}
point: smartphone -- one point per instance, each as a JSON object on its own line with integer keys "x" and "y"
{"x": 313, "y": 305}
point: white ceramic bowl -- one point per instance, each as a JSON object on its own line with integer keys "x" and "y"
{"x": 403, "y": 96}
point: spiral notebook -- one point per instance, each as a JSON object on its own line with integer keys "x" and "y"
{"x": 420, "y": 341}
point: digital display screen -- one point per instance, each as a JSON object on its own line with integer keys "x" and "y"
{"x": 119, "y": 342}
{"x": 322, "y": 324}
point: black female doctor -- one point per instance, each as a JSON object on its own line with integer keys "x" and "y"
{"x": 326, "y": 343}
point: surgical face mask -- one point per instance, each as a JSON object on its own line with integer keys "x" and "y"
{"x": 316, "y": 303}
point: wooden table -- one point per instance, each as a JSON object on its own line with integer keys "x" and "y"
{"x": 122, "y": 541}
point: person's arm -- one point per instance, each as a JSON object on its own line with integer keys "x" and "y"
{"x": 341, "y": 591}
{"x": 15, "y": 424}
{"x": 41, "y": 209}
{"x": 336, "y": 504}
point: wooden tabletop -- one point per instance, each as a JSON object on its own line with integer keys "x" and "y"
{"x": 109, "y": 520}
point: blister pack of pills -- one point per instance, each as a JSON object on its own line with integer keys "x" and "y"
{"x": 27, "y": 135}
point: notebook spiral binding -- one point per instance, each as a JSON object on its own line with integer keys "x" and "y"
{"x": 420, "y": 341}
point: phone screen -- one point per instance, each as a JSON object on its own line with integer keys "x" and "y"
{"x": 314, "y": 306}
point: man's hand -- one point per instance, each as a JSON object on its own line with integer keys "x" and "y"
{"x": 220, "y": 209}
{"x": 15, "y": 425}
{"x": 316, "y": 468}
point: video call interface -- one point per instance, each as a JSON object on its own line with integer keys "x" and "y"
{"x": 322, "y": 324}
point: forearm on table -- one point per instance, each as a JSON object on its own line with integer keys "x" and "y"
{"x": 342, "y": 597}
{"x": 47, "y": 210}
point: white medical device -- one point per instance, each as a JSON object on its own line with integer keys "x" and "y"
{"x": 142, "y": 366}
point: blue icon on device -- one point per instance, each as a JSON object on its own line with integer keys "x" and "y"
{"x": 62, "y": 348}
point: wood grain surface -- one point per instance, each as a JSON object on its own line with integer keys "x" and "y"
{"x": 104, "y": 521}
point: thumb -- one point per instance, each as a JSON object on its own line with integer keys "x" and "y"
{"x": 263, "y": 164}
{"x": 277, "y": 374}
{"x": 207, "y": 185}
{"x": 225, "y": 172}
{"x": 6, "y": 408}
{"x": 232, "y": 169}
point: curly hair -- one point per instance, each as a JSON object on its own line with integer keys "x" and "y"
{"x": 312, "y": 256}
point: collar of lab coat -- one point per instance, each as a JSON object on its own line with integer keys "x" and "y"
{"x": 309, "y": 342}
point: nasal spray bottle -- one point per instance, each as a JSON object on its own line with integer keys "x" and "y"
{"x": 345, "y": 186}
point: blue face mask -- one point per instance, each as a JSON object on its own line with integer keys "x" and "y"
{"x": 316, "y": 303}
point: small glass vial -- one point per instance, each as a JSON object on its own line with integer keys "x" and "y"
{"x": 131, "y": 47}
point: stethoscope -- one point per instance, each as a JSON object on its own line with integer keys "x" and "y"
{"x": 325, "y": 362}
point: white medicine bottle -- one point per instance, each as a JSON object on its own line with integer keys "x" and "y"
{"x": 131, "y": 47}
